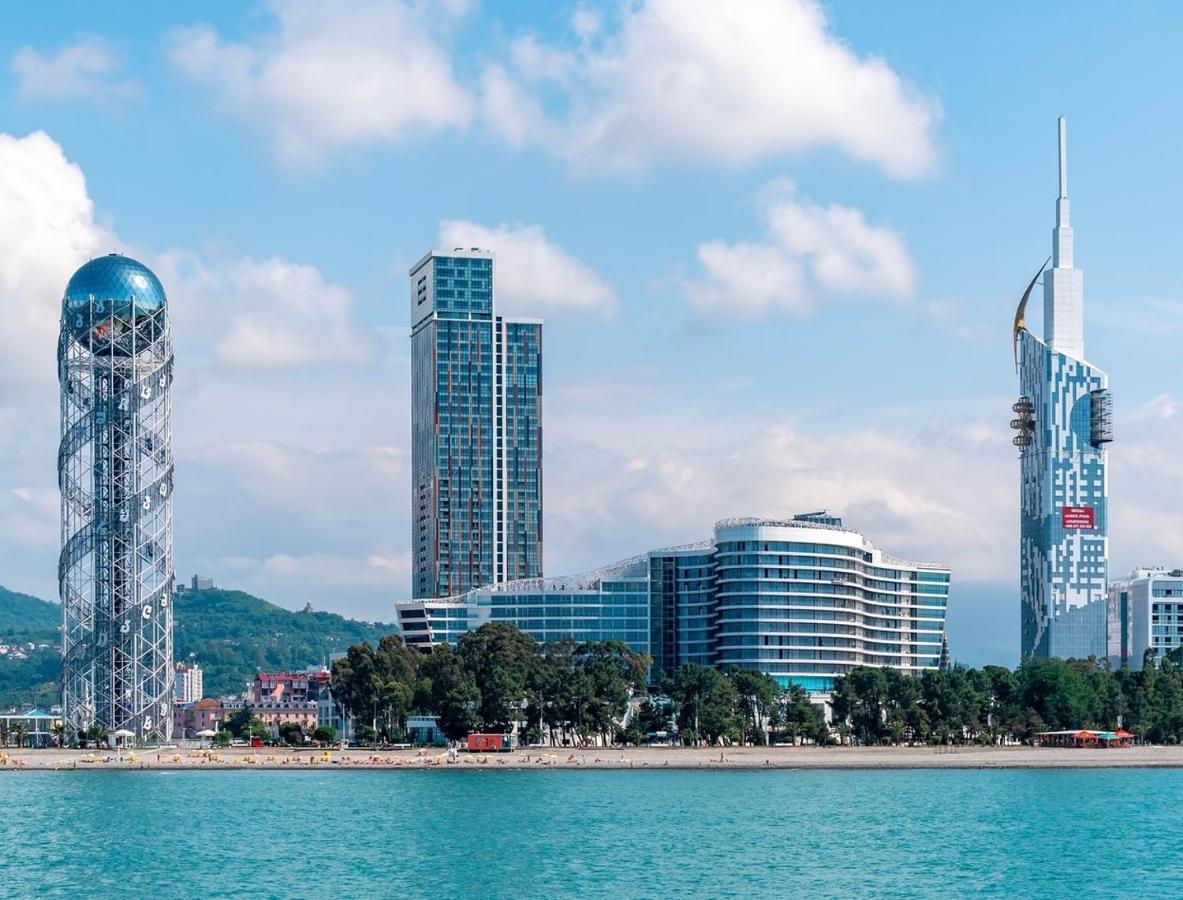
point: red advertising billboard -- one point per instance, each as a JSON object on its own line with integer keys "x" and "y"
{"x": 1079, "y": 517}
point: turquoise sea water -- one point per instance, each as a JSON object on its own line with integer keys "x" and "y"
{"x": 945, "y": 833}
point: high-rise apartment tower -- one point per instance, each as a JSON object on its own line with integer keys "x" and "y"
{"x": 476, "y": 430}
{"x": 1063, "y": 424}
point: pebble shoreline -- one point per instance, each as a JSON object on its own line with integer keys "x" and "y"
{"x": 735, "y": 758}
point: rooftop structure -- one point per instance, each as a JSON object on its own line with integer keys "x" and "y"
{"x": 307, "y": 685}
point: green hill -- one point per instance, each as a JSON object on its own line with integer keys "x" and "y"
{"x": 25, "y": 618}
{"x": 230, "y": 634}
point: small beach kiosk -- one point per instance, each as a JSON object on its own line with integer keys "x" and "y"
{"x": 1085, "y": 738}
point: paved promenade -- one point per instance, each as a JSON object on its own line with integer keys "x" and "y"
{"x": 601, "y": 758}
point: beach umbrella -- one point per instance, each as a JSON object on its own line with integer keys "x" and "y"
{"x": 123, "y": 733}
{"x": 207, "y": 733}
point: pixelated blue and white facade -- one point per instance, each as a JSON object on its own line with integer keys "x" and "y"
{"x": 476, "y": 430}
{"x": 1064, "y": 424}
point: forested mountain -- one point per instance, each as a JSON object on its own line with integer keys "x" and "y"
{"x": 230, "y": 634}
{"x": 26, "y": 618}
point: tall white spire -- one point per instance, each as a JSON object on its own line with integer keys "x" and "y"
{"x": 1063, "y": 284}
{"x": 1062, "y": 234}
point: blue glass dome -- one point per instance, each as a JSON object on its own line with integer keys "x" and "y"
{"x": 110, "y": 286}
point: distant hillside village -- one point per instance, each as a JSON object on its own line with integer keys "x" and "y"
{"x": 22, "y": 649}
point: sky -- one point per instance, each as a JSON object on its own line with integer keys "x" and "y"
{"x": 777, "y": 245}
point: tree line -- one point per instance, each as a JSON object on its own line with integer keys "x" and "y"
{"x": 958, "y": 705}
{"x": 995, "y": 704}
{"x": 497, "y": 678}
{"x": 560, "y": 693}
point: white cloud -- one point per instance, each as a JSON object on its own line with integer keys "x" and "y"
{"x": 629, "y": 475}
{"x": 748, "y": 280}
{"x": 80, "y": 70}
{"x": 333, "y": 75}
{"x": 715, "y": 82}
{"x": 321, "y": 579}
{"x": 275, "y": 462}
{"x": 29, "y": 517}
{"x": 263, "y": 314}
{"x": 519, "y": 115}
{"x": 299, "y": 524}
{"x": 47, "y": 229}
{"x": 810, "y": 252}
{"x": 586, "y": 22}
{"x": 1162, "y": 406}
{"x": 534, "y": 276}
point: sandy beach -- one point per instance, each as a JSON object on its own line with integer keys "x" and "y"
{"x": 600, "y": 758}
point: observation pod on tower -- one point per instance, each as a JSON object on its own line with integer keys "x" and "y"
{"x": 115, "y": 472}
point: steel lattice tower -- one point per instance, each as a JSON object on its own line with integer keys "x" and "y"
{"x": 115, "y": 471}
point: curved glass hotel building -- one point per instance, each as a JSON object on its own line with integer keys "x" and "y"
{"x": 803, "y": 600}
{"x": 807, "y": 600}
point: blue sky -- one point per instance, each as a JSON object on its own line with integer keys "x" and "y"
{"x": 777, "y": 246}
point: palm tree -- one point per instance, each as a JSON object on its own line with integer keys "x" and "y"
{"x": 19, "y": 731}
{"x": 59, "y": 732}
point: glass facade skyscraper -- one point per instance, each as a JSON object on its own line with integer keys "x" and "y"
{"x": 476, "y": 430}
{"x": 1064, "y": 424}
{"x": 803, "y": 600}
